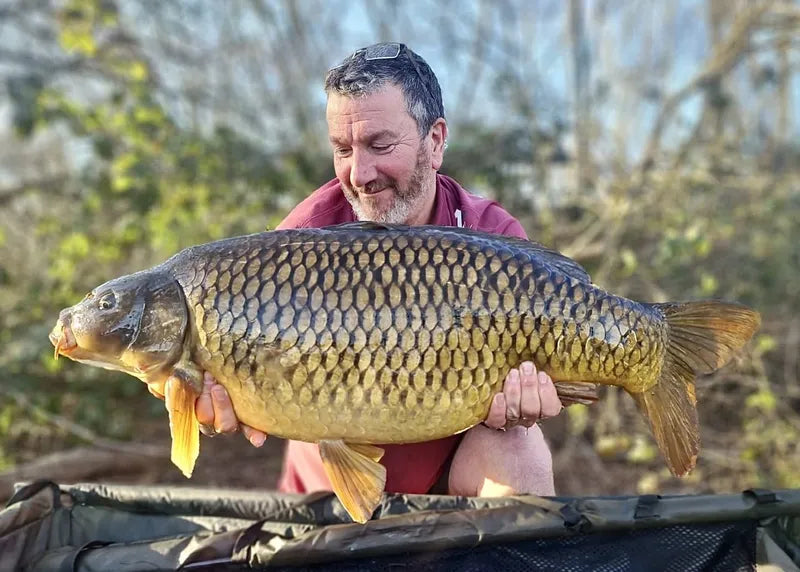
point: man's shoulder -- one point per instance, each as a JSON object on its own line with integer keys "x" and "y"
{"x": 325, "y": 206}
{"x": 483, "y": 213}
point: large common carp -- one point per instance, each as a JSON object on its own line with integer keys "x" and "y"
{"x": 362, "y": 334}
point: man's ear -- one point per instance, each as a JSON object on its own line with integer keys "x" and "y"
{"x": 438, "y": 135}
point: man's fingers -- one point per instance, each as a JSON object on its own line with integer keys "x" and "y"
{"x": 497, "y": 412}
{"x": 511, "y": 391}
{"x": 214, "y": 412}
{"x": 548, "y": 396}
{"x": 530, "y": 404}
{"x": 204, "y": 406}
{"x": 255, "y": 436}
{"x": 224, "y": 418}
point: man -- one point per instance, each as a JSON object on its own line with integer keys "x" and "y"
{"x": 387, "y": 128}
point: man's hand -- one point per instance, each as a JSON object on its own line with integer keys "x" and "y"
{"x": 215, "y": 414}
{"x": 214, "y": 411}
{"x": 527, "y": 396}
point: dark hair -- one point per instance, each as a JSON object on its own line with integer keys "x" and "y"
{"x": 369, "y": 69}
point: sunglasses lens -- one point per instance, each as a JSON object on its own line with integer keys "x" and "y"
{"x": 382, "y": 52}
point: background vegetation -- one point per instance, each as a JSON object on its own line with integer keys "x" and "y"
{"x": 658, "y": 144}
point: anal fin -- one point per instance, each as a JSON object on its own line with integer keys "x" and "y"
{"x": 355, "y": 474}
{"x": 371, "y": 451}
{"x": 180, "y": 397}
{"x": 670, "y": 407}
{"x": 572, "y": 392}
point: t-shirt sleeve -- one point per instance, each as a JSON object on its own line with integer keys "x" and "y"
{"x": 323, "y": 207}
{"x": 514, "y": 228}
{"x": 498, "y": 221}
{"x": 294, "y": 219}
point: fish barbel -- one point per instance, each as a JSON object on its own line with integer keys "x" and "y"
{"x": 362, "y": 334}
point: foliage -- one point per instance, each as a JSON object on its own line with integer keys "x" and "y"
{"x": 149, "y": 188}
{"x": 694, "y": 233}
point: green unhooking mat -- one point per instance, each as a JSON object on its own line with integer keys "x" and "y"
{"x": 121, "y": 528}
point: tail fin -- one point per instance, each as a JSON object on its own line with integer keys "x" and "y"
{"x": 703, "y": 336}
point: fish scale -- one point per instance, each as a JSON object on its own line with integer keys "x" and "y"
{"x": 373, "y": 310}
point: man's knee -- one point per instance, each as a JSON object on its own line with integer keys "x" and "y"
{"x": 496, "y": 463}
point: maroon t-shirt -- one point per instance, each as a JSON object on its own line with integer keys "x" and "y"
{"x": 413, "y": 467}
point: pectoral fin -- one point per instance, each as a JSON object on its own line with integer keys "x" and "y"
{"x": 180, "y": 397}
{"x": 357, "y": 477}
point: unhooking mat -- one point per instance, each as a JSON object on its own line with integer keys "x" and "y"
{"x": 92, "y": 527}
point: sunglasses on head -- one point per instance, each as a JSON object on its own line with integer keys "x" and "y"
{"x": 391, "y": 51}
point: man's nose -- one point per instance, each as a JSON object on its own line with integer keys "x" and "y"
{"x": 362, "y": 169}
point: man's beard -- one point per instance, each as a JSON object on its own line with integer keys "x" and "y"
{"x": 404, "y": 201}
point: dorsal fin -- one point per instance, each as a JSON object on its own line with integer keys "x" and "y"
{"x": 551, "y": 257}
{"x": 559, "y": 261}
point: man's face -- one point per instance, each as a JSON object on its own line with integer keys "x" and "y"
{"x": 386, "y": 170}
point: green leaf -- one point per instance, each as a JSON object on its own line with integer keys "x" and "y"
{"x": 702, "y": 247}
{"x": 137, "y": 71}
{"x": 78, "y": 40}
{"x": 609, "y": 446}
{"x": 578, "y": 417}
{"x": 765, "y": 344}
{"x": 642, "y": 450}
{"x": 649, "y": 483}
{"x": 708, "y": 284}
{"x": 763, "y": 399}
{"x": 75, "y": 245}
{"x": 629, "y": 261}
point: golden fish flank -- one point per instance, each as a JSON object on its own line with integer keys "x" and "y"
{"x": 365, "y": 333}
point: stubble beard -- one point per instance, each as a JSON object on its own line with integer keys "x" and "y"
{"x": 405, "y": 201}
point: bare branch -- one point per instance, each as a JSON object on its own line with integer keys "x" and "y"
{"x": 727, "y": 54}
{"x": 581, "y": 74}
{"x": 78, "y": 464}
{"x": 472, "y": 77}
{"x": 53, "y": 182}
{"x": 82, "y": 432}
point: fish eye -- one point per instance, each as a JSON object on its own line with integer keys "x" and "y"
{"x": 107, "y": 302}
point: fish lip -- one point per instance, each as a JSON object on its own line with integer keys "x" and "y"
{"x": 63, "y": 338}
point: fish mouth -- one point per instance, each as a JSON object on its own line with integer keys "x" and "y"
{"x": 63, "y": 339}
